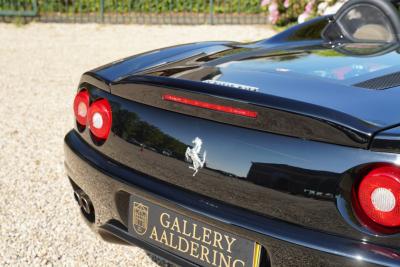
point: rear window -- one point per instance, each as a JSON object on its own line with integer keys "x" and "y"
{"x": 328, "y": 64}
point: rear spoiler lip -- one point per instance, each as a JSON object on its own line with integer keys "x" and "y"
{"x": 95, "y": 80}
{"x": 358, "y": 132}
{"x": 387, "y": 140}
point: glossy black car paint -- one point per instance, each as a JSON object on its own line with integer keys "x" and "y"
{"x": 109, "y": 184}
{"x": 285, "y": 184}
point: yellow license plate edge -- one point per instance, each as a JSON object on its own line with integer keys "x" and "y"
{"x": 256, "y": 255}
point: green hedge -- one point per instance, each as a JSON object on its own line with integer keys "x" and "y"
{"x": 282, "y": 12}
{"x": 147, "y": 6}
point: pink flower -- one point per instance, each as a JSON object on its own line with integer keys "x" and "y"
{"x": 286, "y": 4}
{"x": 265, "y": 2}
{"x": 307, "y": 12}
{"x": 274, "y": 17}
{"x": 309, "y": 7}
{"x": 303, "y": 17}
{"x": 273, "y": 11}
{"x": 273, "y": 7}
{"x": 274, "y": 14}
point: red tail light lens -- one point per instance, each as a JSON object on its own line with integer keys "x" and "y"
{"x": 379, "y": 196}
{"x": 206, "y": 105}
{"x": 81, "y": 107}
{"x": 100, "y": 119}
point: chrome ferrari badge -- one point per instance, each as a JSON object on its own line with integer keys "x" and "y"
{"x": 193, "y": 154}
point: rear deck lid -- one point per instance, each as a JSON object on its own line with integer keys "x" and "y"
{"x": 360, "y": 85}
{"x": 342, "y": 95}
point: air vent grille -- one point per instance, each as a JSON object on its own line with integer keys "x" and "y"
{"x": 382, "y": 83}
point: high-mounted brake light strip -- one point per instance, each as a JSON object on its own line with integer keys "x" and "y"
{"x": 207, "y": 105}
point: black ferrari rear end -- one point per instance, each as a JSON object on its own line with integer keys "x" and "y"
{"x": 283, "y": 152}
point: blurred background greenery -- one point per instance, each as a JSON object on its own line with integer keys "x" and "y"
{"x": 276, "y": 12}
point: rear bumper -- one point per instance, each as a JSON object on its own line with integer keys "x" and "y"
{"x": 109, "y": 186}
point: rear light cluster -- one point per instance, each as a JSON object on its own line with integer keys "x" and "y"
{"x": 81, "y": 107}
{"x": 96, "y": 115}
{"x": 377, "y": 199}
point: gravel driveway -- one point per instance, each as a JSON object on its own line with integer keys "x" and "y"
{"x": 40, "y": 66}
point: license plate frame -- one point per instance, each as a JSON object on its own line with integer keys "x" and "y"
{"x": 189, "y": 238}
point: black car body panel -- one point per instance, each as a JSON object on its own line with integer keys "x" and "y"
{"x": 259, "y": 171}
{"x": 283, "y": 179}
{"x": 109, "y": 185}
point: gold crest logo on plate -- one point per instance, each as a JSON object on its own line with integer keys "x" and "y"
{"x": 140, "y": 218}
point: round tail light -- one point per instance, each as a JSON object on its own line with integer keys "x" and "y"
{"x": 378, "y": 196}
{"x": 81, "y": 107}
{"x": 100, "y": 119}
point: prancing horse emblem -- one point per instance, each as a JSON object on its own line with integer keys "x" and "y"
{"x": 194, "y": 155}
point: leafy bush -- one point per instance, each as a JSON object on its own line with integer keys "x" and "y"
{"x": 280, "y": 12}
{"x": 152, "y": 6}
